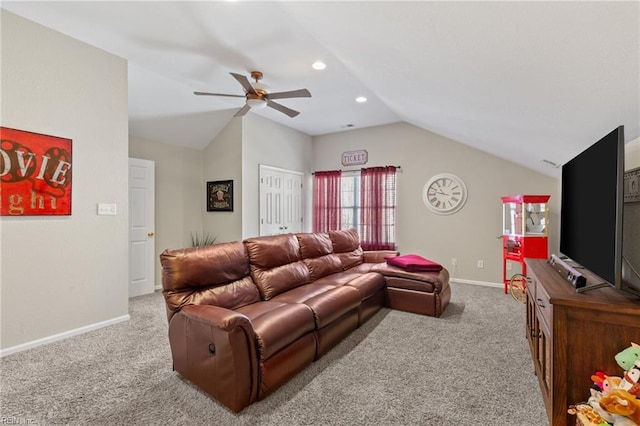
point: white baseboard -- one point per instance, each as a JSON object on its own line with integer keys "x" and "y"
{"x": 474, "y": 282}
{"x": 62, "y": 336}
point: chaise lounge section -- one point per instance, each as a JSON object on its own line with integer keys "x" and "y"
{"x": 245, "y": 317}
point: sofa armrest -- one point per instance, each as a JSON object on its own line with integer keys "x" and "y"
{"x": 224, "y": 319}
{"x": 378, "y": 256}
{"x": 215, "y": 348}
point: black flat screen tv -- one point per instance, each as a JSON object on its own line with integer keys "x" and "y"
{"x": 592, "y": 208}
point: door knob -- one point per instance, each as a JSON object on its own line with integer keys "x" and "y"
{"x": 150, "y": 234}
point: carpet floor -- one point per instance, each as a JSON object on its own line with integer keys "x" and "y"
{"x": 470, "y": 367}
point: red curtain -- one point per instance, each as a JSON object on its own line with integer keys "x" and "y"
{"x": 378, "y": 208}
{"x": 326, "y": 201}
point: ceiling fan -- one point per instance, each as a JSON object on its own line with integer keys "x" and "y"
{"x": 258, "y": 96}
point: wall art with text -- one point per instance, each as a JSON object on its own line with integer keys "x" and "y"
{"x": 35, "y": 174}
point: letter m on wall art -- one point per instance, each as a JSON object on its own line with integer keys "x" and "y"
{"x": 35, "y": 174}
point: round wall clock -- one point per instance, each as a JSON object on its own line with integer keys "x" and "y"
{"x": 444, "y": 193}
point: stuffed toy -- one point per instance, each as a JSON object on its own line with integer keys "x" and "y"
{"x": 610, "y": 383}
{"x": 614, "y": 419}
{"x": 587, "y": 415}
{"x": 628, "y": 357}
{"x": 604, "y": 383}
{"x": 594, "y": 402}
{"x": 621, "y": 402}
{"x": 631, "y": 380}
{"x": 597, "y": 379}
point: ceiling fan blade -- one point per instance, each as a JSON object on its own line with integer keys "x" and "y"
{"x": 291, "y": 113}
{"x": 218, "y": 94}
{"x": 300, "y": 93}
{"x": 245, "y": 109}
{"x": 245, "y": 83}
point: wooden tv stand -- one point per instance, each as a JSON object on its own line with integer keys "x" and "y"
{"x": 572, "y": 335}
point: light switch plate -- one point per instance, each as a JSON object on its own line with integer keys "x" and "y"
{"x": 105, "y": 209}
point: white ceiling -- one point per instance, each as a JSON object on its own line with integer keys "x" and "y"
{"x": 525, "y": 81}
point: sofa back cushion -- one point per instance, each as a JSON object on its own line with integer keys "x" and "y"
{"x": 276, "y": 264}
{"x": 346, "y": 244}
{"x": 210, "y": 275}
{"x": 317, "y": 253}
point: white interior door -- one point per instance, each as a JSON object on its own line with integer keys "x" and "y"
{"x": 281, "y": 209}
{"x": 141, "y": 226}
{"x": 292, "y": 199}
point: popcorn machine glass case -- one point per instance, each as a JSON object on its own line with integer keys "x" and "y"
{"x": 525, "y": 219}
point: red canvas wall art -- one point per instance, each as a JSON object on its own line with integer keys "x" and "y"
{"x": 35, "y": 174}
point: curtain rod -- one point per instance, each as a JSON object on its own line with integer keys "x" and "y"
{"x": 398, "y": 169}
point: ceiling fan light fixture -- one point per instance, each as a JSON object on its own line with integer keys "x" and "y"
{"x": 258, "y": 95}
{"x": 256, "y": 103}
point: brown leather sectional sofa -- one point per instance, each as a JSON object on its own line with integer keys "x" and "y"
{"x": 245, "y": 317}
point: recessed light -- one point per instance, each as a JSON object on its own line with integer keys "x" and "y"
{"x": 319, "y": 65}
{"x": 361, "y": 99}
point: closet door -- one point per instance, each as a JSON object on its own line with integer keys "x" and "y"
{"x": 280, "y": 201}
{"x": 292, "y": 199}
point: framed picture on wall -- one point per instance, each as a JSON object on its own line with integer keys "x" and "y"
{"x": 35, "y": 174}
{"x": 220, "y": 196}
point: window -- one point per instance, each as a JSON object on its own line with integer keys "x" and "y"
{"x": 350, "y": 201}
{"x": 378, "y": 208}
{"x": 366, "y": 201}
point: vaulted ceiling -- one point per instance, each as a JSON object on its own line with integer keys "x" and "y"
{"x": 525, "y": 81}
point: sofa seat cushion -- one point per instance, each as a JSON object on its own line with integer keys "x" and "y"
{"x": 302, "y": 293}
{"x": 338, "y": 279}
{"x": 362, "y": 268}
{"x": 327, "y": 305}
{"x": 421, "y": 281}
{"x": 277, "y": 325}
{"x": 367, "y": 284}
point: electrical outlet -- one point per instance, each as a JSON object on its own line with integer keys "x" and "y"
{"x": 480, "y": 263}
{"x": 454, "y": 261}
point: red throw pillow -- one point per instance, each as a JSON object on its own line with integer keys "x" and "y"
{"x": 414, "y": 263}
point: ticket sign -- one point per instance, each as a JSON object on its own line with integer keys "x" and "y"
{"x": 35, "y": 174}
{"x": 353, "y": 158}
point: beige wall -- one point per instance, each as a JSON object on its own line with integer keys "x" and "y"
{"x": 632, "y": 154}
{"x": 222, "y": 160}
{"x": 236, "y": 153}
{"x": 468, "y": 235}
{"x": 179, "y": 194}
{"x": 271, "y": 144}
{"x": 65, "y": 273}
